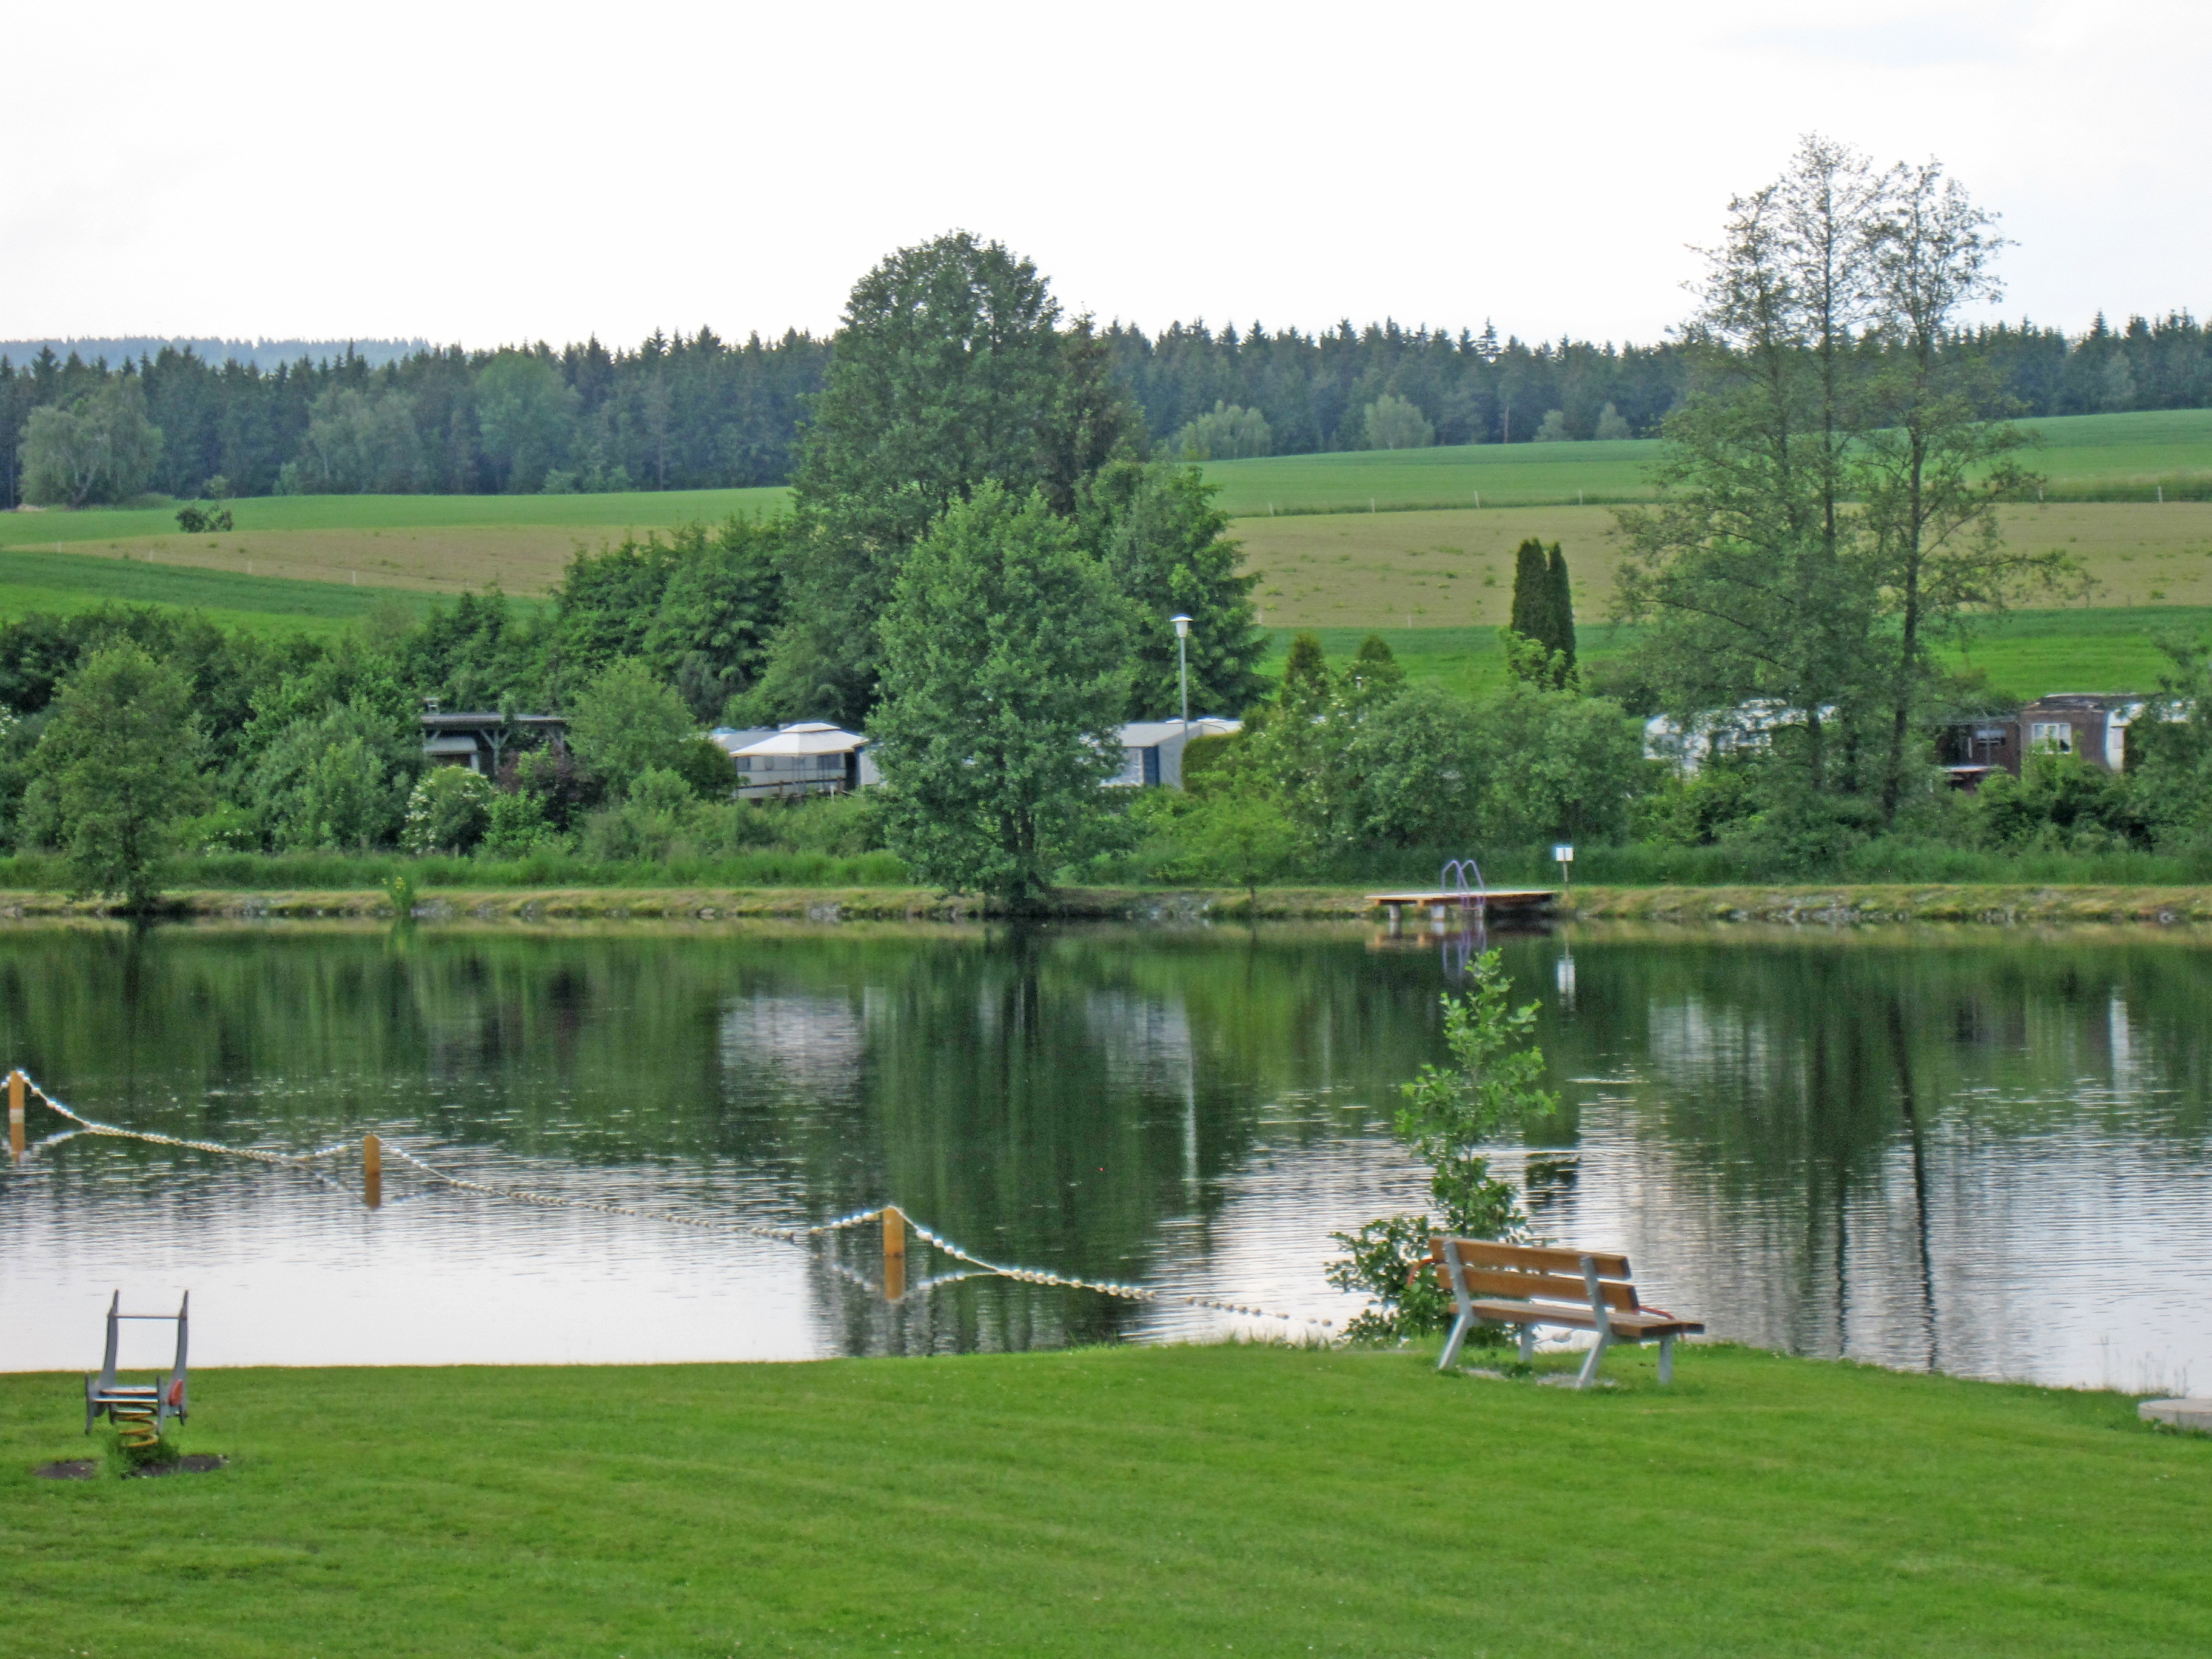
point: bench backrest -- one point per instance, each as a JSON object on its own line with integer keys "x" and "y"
{"x": 1530, "y": 1272}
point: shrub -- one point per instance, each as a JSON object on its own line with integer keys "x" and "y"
{"x": 448, "y": 812}
{"x": 1450, "y": 1112}
{"x": 516, "y": 826}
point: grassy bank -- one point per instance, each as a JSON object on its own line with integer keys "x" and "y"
{"x": 1125, "y": 1501}
{"x": 1833, "y": 904}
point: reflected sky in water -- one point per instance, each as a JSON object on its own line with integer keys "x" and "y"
{"x": 1976, "y": 1151}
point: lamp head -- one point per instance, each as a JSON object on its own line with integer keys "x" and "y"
{"x": 1181, "y": 627}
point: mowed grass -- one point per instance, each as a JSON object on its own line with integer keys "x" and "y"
{"x": 1132, "y": 1501}
{"x": 2085, "y": 457}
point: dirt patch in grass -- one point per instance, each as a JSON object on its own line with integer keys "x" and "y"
{"x": 190, "y": 1463}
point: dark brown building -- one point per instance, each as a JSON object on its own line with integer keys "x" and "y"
{"x": 2090, "y": 725}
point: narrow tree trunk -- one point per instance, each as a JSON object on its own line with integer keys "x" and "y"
{"x": 1908, "y": 644}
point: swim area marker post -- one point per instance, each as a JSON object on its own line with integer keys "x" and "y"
{"x": 894, "y": 1254}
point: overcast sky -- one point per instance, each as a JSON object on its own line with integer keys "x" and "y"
{"x": 489, "y": 174}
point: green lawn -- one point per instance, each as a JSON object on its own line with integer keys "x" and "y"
{"x": 2086, "y": 457}
{"x": 1136, "y": 1501}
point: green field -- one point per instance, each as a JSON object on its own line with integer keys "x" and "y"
{"x": 2125, "y": 457}
{"x": 63, "y": 583}
{"x": 257, "y": 514}
{"x": 2026, "y": 654}
{"x": 1444, "y": 572}
{"x": 1128, "y": 1501}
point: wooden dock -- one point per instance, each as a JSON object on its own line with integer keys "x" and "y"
{"x": 1440, "y": 902}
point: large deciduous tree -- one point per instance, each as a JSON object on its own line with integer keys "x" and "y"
{"x": 952, "y": 369}
{"x": 1005, "y": 671}
{"x": 1828, "y": 491}
{"x": 1932, "y": 465}
{"x": 1164, "y": 541}
{"x": 628, "y": 722}
{"x": 99, "y": 448}
{"x": 118, "y": 761}
{"x": 1749, "y": 569}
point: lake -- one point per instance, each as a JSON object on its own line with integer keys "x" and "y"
{"x": 1980, "y": 1150}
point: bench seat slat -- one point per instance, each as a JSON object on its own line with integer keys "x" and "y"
{"x": 1646, "y": 1323}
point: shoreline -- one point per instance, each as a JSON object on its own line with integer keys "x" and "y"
{"x": 1833, "y": 904}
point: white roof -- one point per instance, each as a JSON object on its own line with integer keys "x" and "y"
{"x": 809, "y": 737}
{"x": 1147, "y": 734}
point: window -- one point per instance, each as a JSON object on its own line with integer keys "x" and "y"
{"x": 2052, "y": 737}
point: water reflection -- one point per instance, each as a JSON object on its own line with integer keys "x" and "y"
{"x": 1973, "y": 1151}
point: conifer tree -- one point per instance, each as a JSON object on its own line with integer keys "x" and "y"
{"x": 1376, "y": 674}
{"x": 1532, "y": 590}
{"x": 1305, "y": 676}
{"x": 1560, "y": 637}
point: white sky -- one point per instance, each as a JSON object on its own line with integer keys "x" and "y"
{"x": 491, "y": 173}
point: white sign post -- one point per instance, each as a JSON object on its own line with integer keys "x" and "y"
{"x": 1563, "y": 855}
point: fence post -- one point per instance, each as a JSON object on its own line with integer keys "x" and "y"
{"x": 15, "y": 1113}
{"x": 894, "y": 1254}
{"x": 372, "y": 1172}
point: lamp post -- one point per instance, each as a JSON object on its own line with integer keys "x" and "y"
{"x": 1182, "y": 662}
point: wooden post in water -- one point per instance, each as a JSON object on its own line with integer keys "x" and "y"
{"x": 372, "y": 1172}
{"x": 15, "y": 1114}
{"x": 894, "y": 1254}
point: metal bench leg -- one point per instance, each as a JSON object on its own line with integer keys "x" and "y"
{"x": 1590, "y": 1365}
{"x": 1459, "y": 1330}
{"x": 1527, "y": 1345}
{"x": 1666, "y": 1358}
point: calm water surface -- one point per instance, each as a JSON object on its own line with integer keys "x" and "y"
{"x": 1981, "y": 1151}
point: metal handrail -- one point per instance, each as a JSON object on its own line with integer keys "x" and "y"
{"x": 1453, "y": 879}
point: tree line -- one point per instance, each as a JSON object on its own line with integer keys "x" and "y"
{"x": 980, "y": 564}
{"x": 1232, "y": 393}
{"x": 699, "y": 412}
{"x": 674, "y": 414}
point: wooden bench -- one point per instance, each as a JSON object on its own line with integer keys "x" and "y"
{"x": 1526, "y": 1285}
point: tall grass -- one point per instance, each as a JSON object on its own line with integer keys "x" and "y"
{"x": 343, "y": 871}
